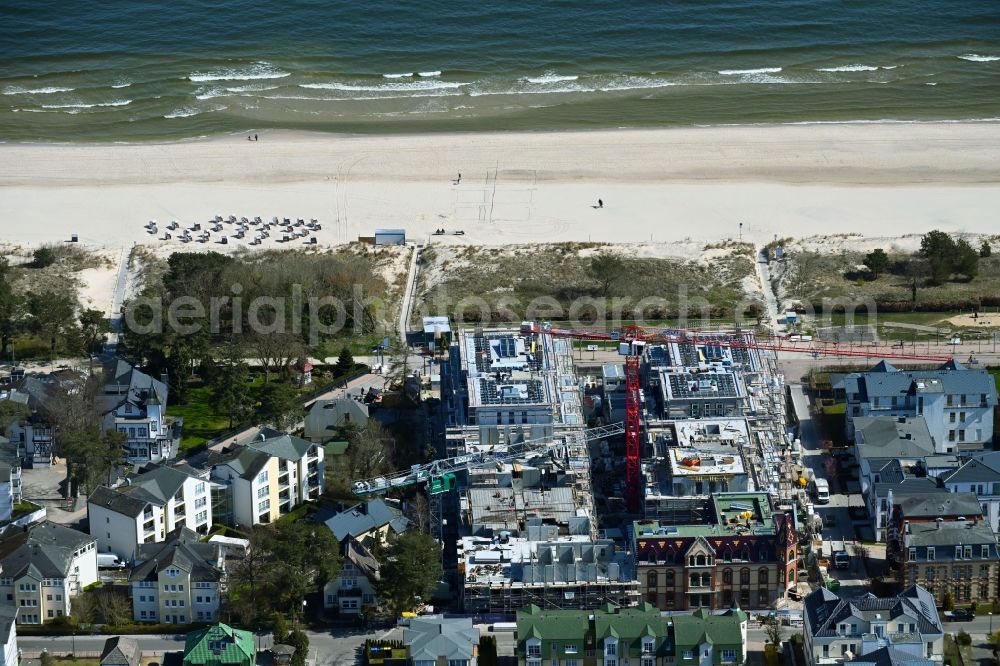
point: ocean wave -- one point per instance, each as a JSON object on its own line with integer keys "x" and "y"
{"x": 259, "y": 70}
{"x": 405, "y": 75}
{"x": 121, "y": 83}
{"x": 17, "y": 90}
{"x": 253, "y": 87}
{"x": 848, "y": 68}
{"x": 362, "y": 98}
{"x": 978, "y": 58}
{"x": 744, "y": 72}
{"x": 433, "y": 72}
{"x": 550, "y": 78}
{"x": 117, "y": 102}
{"x": 415, "y": 86}
{"x": 183, "y": 113}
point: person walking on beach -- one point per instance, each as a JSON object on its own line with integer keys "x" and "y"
{"x": 459, "y": 179}
{"x": 600, "y": 203}
{"x": 254, "y": 137}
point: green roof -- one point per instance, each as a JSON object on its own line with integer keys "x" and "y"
{"x": 219, "y": 644}
{"x": 727, "y": 511}
{"x": 586, "y": 630}
{"x": 335, "y": 447}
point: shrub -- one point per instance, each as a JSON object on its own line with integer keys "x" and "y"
{"x": 298, "y": 640}
{"x": 44, "y": 257}
{"x": 963, "y": 638}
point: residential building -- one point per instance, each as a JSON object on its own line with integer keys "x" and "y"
{"x": 135, "y": 404}
{"x": 178, "y": 581}
{"x": 326, "y": 418}
{"x": 43, "y": 566}
{"x": 980, "y": 475}
{"x": 606, "y": 636}
{"x": 958, "y": 557}
{"x": 840, "y": 630}
{"x": 9, "y": 654}
{"x": 439, "y": 641}
{"x": 730, "y": 549}
{"x": 267, "y": 478}
{"x": 504, "y": 573}
{"x": 437, "y": 332}
{"x": 148, "y": 506}
{"x": 956, "y": 402}
{"x": 931, "y": 507}
{"x": 369, "y": 522}
{"x": 355, "y": 587}
{"x": 700, "y": 457}
{"x": 33, "y": 434}
{"x": 219, "y": 645}
{"x": 121, "y": 651}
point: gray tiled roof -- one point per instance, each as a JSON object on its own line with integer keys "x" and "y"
{"x": 7, "y": 616}
{"x": 892, "y": 437}
{"x": 44, "y": 550}
{"x": 366, "y": 517}
{"x": 156, "y": 484}
{"x": 951, "y": 378}
{"x": 824, "y": 610}
{"x": 129, "y": 501}
{"x": 947, "y": 533}
{"x": 281, "y": 445}
{"x": 245, "y": 461}
{"x": 434, "y": 637}
{"x": 908, "y": 486}
{"x": 932, "y": 505}
{"x": 121, "y": 650}
{"x": 980, "y": 469}
{"x": 182, "y": 549}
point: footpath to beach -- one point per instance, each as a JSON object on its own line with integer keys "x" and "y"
{"x": 666, "y": 184}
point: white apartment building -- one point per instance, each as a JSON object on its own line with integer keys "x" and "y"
{"x": 42, "y": 567}
{"x": 178, "y": 581}
{"x": 149, "y": 506}
{"x": 269, "y": 477}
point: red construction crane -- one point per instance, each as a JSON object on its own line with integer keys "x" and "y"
{"x": 633, "y": 435}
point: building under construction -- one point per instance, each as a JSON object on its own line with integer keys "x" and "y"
{"x": 505, "y": 573}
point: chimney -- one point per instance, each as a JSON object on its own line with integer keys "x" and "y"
{"x": 939, "y": 521}
{"x": 906, "y": 526}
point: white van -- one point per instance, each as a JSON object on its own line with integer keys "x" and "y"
{"x": 109, "y": 561}
{"x": 822, "y": 490}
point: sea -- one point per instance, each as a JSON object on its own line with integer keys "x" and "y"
{"x": 156, "y": 70}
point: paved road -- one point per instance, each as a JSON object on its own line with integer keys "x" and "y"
{"x": 764, "y": 275}
{"x": 406, "y": 304}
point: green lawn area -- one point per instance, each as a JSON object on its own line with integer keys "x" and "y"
{"x": 996, "y": 376}
{"x": 201, "y": 421}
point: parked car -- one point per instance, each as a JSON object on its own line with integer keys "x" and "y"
{"x": 959, "y": 615}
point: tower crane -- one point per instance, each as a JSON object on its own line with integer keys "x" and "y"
{"x": 439, "y": 475}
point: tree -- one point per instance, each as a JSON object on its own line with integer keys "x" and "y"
{"x": 276, "y": 352}
{"x": 279, "y": 627}
{"x": 411, "y": 571}
{"x": 85, "y": 608}
{"x": 115, "y": 608}
{"x": 11, "y": 411}
{"x": 11, "y": 308}
{"x": 52, "y": 314}
{"x": 345, "y": 362}
{"x": 607, "y": 268}
{"x": 948, "y": 603}
{"x": 279, "y": 405}
{"x": 938, "y": 249}
{"x": 298, "y": 640}
{"x": 966, "y": 259}
{"x": 231, "y": 384}
{"x": 772, "y": 628}
{"x": 877, "y": 261}
{"x": 93, "y": 328}
{"x": 487, "y": 650}
{"x": 963, "y": 638}
{"x": 367, "y": 454}
{"x": 44, "y": 257}
{"x": 249, "y": 578}
{"x": 985, "y": 250}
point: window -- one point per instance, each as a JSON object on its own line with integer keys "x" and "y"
{"x": 648, "y": 661}
{"x": 930, "y": 553}
{"x": 648, "y": 645}
{"x": 571, "y": 648}
{"x": 912, "y": 554}
{"x": 958, "y": 552}
{"x": 200, "y": 502}
{"x": 952, "y": 417}
{"x": 744, "y": 576}
{"x": 669, "y": 579}
{"x": 984, "y": 552}
{"x": 652, "y": 580}
{"x": 262, "y": 492}
{"x": 727, "y": 577}
{"x": 458, "y": 662}
{"x": 611, "y": 648}
{"x": 951, "y": 435}
{"x": 262, "y": 477}
{"x": 199, "y": 489}
{"x": 762, "y": 577}
{"x": 688, "y": 654}
{"x": 264, "y": 506}
{"x": 534, "y": 650}
{"x": 762, "y": 597}
{"x": 728, "y": 656}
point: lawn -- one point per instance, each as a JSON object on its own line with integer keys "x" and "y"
{"x": 201, "y": 421}
{"x": 996, "y": 376}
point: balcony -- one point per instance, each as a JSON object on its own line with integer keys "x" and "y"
{"x": 283, "y": 480}
{"x": 314, "y": 481}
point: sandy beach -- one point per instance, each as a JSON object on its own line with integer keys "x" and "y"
{"x": 661, "y": 185}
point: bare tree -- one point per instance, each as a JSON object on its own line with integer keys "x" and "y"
{"x": 277, "y": 351}
{"x": 115, "y": 608}
{"x": 772, "y": 627}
